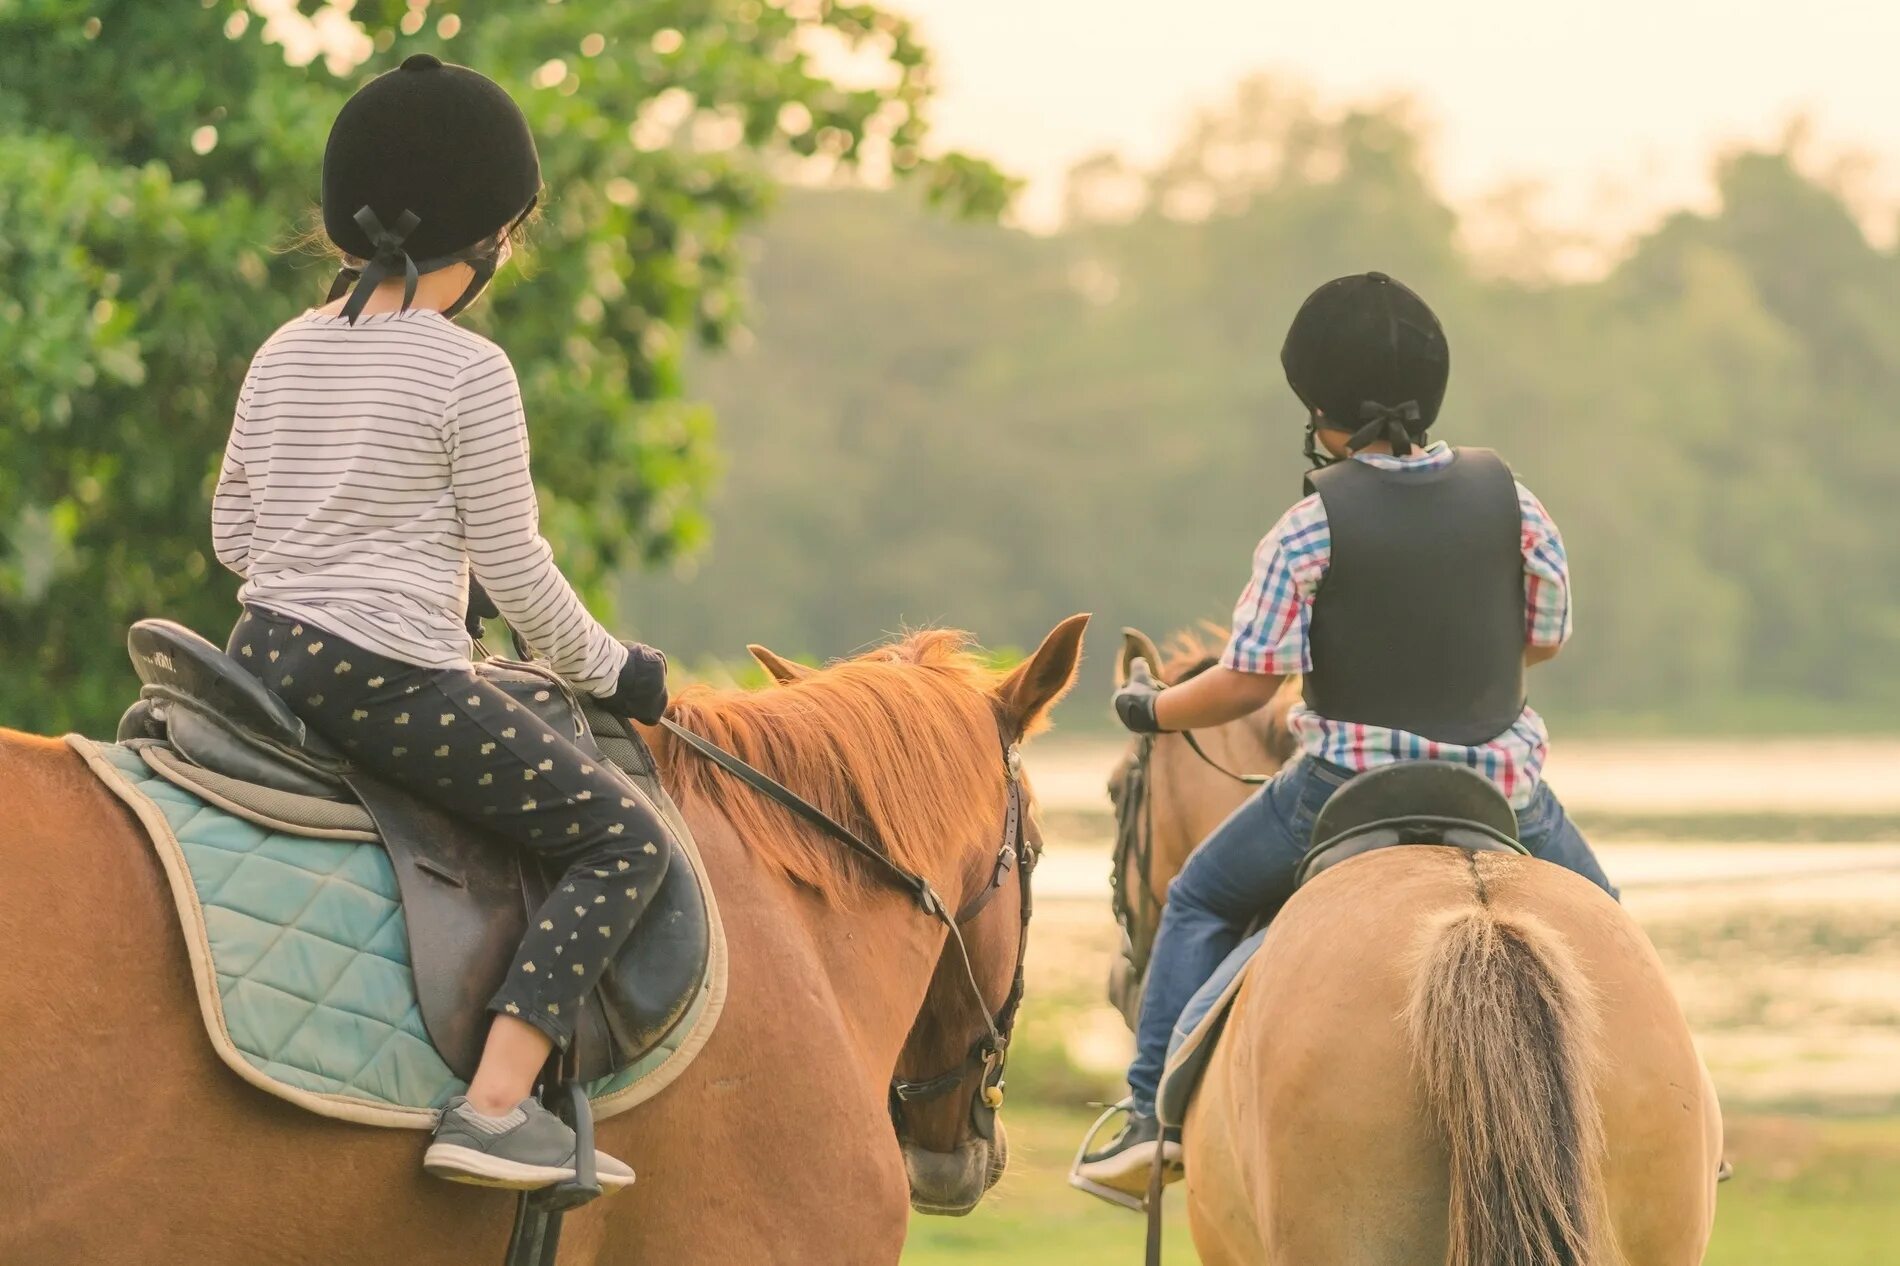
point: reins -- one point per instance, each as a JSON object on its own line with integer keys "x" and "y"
{"x": 1138, "y": 913}
{"x": 990, "y": 1050}
{"x": 1252, "y": 780}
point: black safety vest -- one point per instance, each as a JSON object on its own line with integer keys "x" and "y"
{"x": 1419, "y": 623}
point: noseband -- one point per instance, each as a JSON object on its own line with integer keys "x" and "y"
{"x": 991, "y": 1049}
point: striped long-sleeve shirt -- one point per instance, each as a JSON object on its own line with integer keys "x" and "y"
{"x": 1271, "y": 626}
{"x": 371, "y": 467}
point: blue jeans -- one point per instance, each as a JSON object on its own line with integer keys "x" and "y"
{"x": 1245, "y": 869}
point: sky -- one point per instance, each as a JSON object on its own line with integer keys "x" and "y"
{"x": 1614, "y": 107}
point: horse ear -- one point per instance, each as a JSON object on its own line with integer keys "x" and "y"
{"x": 1027, "y": 694}
{"x": 1136, "y": 645}
{"x": 781, "y": 669}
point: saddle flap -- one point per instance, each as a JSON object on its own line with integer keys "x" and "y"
{"x": 467, "y": 900}
{"x": 466, "y": 912}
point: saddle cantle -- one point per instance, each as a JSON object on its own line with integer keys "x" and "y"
{"x": 466, "y": 895}
{"x": 1413, "y": 802}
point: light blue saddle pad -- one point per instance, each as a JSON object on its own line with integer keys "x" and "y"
{"x": 1198, "y": 1029}
{"x": 301, "y": 957}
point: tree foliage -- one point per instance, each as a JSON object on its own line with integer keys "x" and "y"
{"x": 1006, "y": 428}
{"x": 157, "y": 159}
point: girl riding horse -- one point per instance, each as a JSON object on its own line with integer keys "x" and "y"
{"x": 379, "y": 456}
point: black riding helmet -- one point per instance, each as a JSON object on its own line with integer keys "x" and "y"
{"x": 425, "y": 166}
{"x": 1366, "y": 355}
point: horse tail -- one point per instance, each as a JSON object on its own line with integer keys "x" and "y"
{"x": 1502, "y": 1022}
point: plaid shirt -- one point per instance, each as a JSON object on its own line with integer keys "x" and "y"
{"x": 1271, "y": 626}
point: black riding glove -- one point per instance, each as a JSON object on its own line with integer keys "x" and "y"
{"x": 641, "y": 692}
{"x": 1135, "y": 701}
{"x": 480, "y": 607}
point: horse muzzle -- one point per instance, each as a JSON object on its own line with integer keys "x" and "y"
{"x": 951, "y": 1184}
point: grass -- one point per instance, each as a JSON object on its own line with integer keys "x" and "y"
{"x": 1810, "y": 1193}
{"x": 1034, "y": 1216}
{"x": 1807, "y": 1193}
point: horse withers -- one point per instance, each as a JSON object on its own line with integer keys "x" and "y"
{"x": 1436, "y": 1058}
{"x": 123, "y": 1140}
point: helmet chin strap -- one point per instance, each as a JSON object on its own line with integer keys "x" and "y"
{"x": 484, "y": 266}
{"x": 1314, "y": 455}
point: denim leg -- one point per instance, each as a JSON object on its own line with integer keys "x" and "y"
{"x": 1548, "y": 833}
{"x": 1245, "y": 868}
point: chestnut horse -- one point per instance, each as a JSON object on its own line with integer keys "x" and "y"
{"x": 124, "y": 1141}
{"x": 1437, "y": 1058}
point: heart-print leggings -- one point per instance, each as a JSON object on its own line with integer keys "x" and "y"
{"x": 463, "y": 744}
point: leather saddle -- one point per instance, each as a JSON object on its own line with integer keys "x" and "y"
{"x": 466, "y": 894}
{"x": 1413, "y": 802}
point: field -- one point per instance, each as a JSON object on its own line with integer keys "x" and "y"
{"x": 1807, "y": 1193}
{"x": 1781, "y": 929}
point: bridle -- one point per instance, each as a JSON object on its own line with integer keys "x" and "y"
{"x": 990, "y": 1050}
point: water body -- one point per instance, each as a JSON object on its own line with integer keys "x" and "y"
{"x": 1767, "y": 875}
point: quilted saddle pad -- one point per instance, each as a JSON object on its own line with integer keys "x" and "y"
{"x": 300, "y": 957}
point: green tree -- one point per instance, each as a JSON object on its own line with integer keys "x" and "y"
{"x": 1006, "y": 428}
{"x": 156, "y": 159}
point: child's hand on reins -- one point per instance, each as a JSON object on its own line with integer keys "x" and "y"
{"x": 641, "y": 693}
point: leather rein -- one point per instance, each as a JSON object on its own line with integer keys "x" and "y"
{"x": 990, "y": 1050}
{"x": 1138, "y": 913}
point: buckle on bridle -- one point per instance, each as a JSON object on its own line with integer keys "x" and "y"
{"x": 993, "y": 1060}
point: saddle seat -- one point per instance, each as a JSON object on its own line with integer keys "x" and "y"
{"x": 216, "y": 714}
{"x": 466, "y": 894}
{"x": 1413, "y": 802}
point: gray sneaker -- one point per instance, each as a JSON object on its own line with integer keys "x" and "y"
{"x": 539, "y": 1152}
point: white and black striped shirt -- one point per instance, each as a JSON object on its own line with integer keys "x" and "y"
{"x": 370, "y": 467}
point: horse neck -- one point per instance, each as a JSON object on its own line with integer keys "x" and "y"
{"x": 854, "y": 968}
{"x": 1191, "y": 797}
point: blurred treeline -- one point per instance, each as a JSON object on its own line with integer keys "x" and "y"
{"x": 940, "y": 422}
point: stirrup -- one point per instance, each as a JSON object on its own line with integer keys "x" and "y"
{"x": 1115, "y": 1196}
{"x": 536, "y": 1238}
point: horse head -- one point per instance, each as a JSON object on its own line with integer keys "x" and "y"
{"x": 915, "y": 745}
{"x": 946, "y": 1098}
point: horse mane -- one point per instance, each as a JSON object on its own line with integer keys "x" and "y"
{"x": 1192, "y": 651}
{"x": 899, "y": 744}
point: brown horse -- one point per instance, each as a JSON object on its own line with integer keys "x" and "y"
{"x": 124, "y": 1141}
{"x": 1437, "y": 1058}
